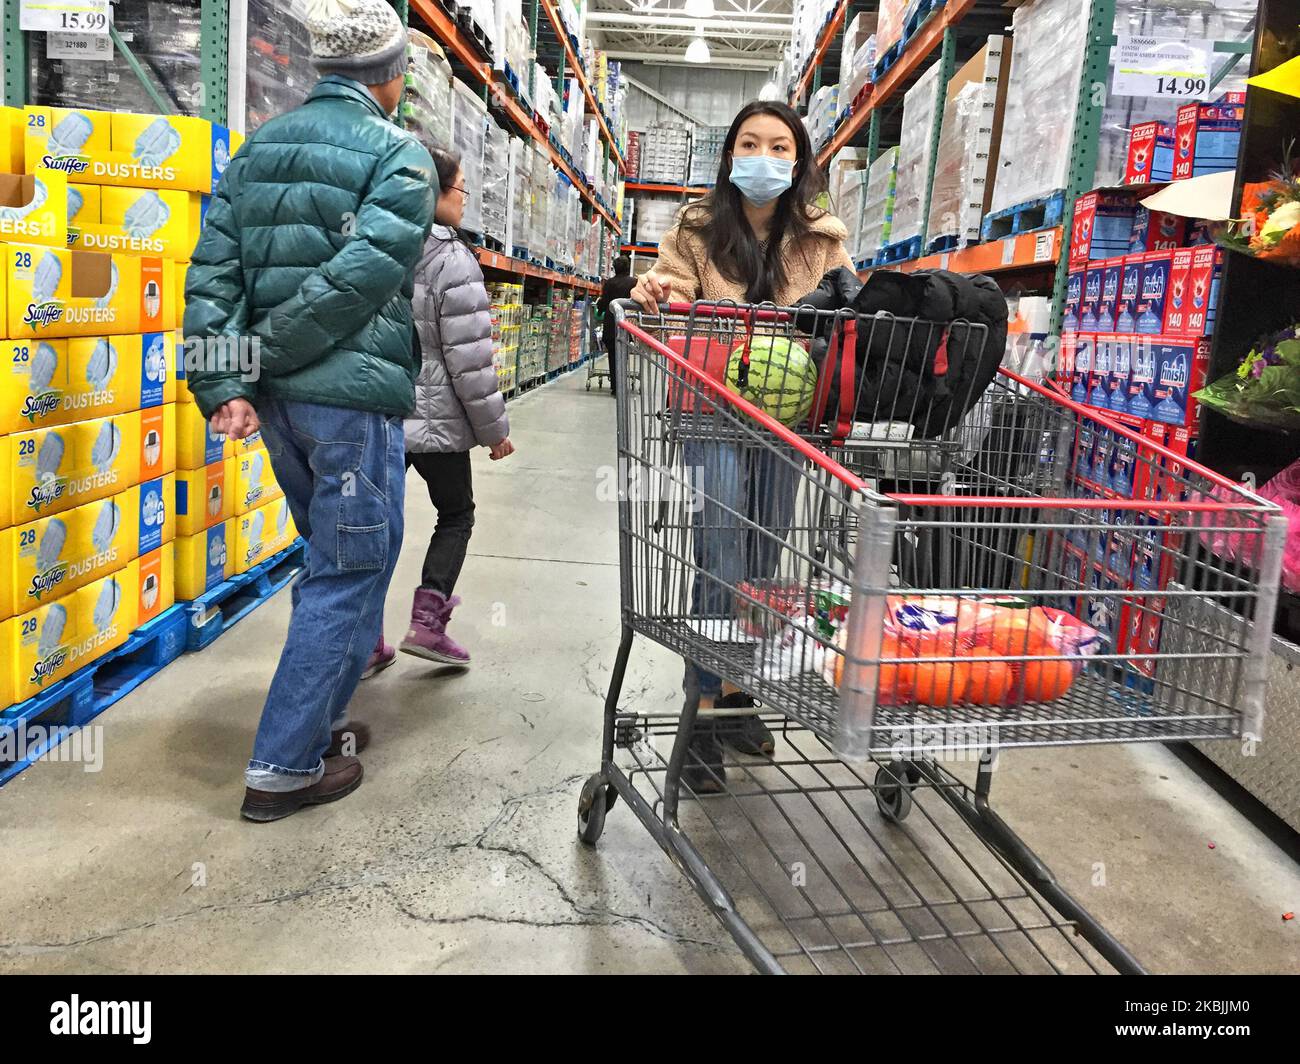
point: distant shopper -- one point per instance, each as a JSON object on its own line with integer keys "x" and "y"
{"x": 757, "y": 237}
{"x": 458, "y": 406}
{"x": 310, "y": 245}
{"x": 617, "y": 287}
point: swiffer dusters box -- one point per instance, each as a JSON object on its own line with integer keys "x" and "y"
{"x": 12, "y": 134}
{"x": 204, "y": 497}
{"x": 138, "y": 151}
{"x": 196, "y": 444}
{"x": 255, "y": 483}
{"x": 83, "y": 207}
{"x": 57, "y": 382}
{"x": 6, "y": 481}
{"x": 34, "y": 208}
{"x": 204, "y": 560}
{"x": 138, "y": 221}
{"x": 56, "y": 469}
{"x": 57, "y": 292}
{"x": 59, "y": 554}
{"x": 261, "y": 533}
{"x": 8, "y": 577}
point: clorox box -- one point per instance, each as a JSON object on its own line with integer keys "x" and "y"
{"x": 56, "y": 469}
{"x": 255, "y": 483}
{"x": 34, "y": 208}
{"x": 137, "y": 221}
{"x": 138, "y": 151}
{"x": 205, "y": 497}
{"x": 57, "y": 292}
{"x": 59, "y": 554}
{"x": 261, "y": 533}
{"x": 205, "y": 560}
{"x": 56, "y": 382}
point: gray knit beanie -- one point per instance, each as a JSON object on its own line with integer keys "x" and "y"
{"x": 360, "y": 39}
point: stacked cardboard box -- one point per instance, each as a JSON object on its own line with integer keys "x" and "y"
{"x": 920, "y": 112}
{"x": 876, "y": 227}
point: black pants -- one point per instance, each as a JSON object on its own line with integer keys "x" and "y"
{"x": 451, "y": 490}
{"x": 611, "y": 346}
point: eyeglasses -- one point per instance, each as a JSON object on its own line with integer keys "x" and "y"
{"x": 457, "y": 188}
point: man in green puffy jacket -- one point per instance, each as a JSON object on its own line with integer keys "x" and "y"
{"x": 308, "y": 251}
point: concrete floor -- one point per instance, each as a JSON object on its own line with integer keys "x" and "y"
{"x": 458, "y": 852}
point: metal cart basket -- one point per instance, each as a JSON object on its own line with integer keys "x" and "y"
{"x": 908, "y": 580}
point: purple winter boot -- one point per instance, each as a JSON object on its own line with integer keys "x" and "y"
{"x": 428, "y": 636}
{"x": 380, "y": 658}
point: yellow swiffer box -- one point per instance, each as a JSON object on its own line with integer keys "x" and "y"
{"x": 8, "y": 577}
{"x": 34, "y": 208}
{"x": 196, "y": 444}
{"x": 261, "y": 533}
{"x": 204, "y": 560}
{"x": 57, "y": 382}
{"x": 6, "y": 481}
{"x": 249, "y": 444}
{"x": 59, "y": 554}
{"x": 204, "y": 497}
{"x": 138, "y": 221}
{"x": 57, "y": 292}
{"x": 58, "y": 638}
{"x": 12, "y": 135}
{"x": 57, "y": 469}
{"x": 83, "y": 207}
{"x": 255, "y": 483}
{"x": 138, "y": 151}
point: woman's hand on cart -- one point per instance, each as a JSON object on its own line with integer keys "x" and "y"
{"x": 650, "y": 292}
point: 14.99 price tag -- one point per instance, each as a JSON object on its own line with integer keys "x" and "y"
{"x": 1152, "y": 66}
{"x": 64, "y": 16}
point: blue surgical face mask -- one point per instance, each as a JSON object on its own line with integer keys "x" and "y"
{"x": 761, "y": 178}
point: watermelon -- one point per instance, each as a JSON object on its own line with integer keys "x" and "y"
{"x": 781, "y": 380}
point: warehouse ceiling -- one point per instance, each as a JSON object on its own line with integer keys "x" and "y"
{"x": 740, "y": 33}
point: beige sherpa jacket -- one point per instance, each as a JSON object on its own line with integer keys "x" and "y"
{"x": 683, "y": 261}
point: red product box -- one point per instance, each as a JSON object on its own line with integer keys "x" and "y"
{"x": 1204, "y": 260}
{"x": 1178, "y": 301}
{"x": 1156, "y": 231}
{"x": 1149, "y": 477}
{"x": 1102, "y": 225}
{"x": 1206, "y": 135}
{"x": 1139, "y": 633}
{"x": 1150, "y": 153}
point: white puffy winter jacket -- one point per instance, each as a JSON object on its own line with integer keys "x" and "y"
{"x": 457, "y": 403}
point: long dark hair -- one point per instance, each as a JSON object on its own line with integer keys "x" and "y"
{"x": 719, "y": 218}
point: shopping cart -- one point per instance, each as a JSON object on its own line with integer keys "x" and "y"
{"x": 758, "y": 554}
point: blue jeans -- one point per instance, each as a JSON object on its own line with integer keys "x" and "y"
{"x": 739, "y": 532}
{"x": 344, "y": 475}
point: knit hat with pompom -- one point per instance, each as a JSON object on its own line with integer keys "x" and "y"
{"x": 360, "y": 39}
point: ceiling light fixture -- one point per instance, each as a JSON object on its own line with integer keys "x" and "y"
{"x": 698, "y": 51}
{"x": 699, "y": 9}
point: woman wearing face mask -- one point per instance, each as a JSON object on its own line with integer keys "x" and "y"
{"x": 757, "y": 237}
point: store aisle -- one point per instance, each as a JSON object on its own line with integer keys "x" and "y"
{"x": 458, "y": 852}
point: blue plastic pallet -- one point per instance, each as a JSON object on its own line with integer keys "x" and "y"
{"x": 951, "y": 242}
{"x": 899, "y": 251}
{"x": 78, "y": 699}
{"x": 216, "y": 611}
{"x": 884, "y": 62}
{"x": 1041, "y": 213}
{"x": 917, "y": 16}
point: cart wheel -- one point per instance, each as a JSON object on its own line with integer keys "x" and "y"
{"x": 593, "y": 804}
{"x": 893, "y": 792}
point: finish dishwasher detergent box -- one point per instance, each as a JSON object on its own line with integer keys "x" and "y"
{"x": 1153, "y": 290}
{"x": 255, "y": 483}
{"x": 1203, "y": 275}
{"x": 57, "y": 292}
{"x": 205, "y": 560}
{"x": 1156, "y": 231}
{"x": 204, "y": 497}
{"x": 1206, "y": 136}
{"x": 133, "y": 150}
{"x": 56, "y": 382}
{"x": 59, "y": 554}
{"x": 34, "y": 208}
{"x": 1150, "y": 154}
{"x": 1073, "y": 299}
{"x": 263, "y": 532}
{"x": 57, "y": 469}
{"x": 1130, "y": 287}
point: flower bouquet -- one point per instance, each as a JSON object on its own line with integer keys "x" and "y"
{"x": 1265, "y": 389}
{"x": 1270, "y": 223}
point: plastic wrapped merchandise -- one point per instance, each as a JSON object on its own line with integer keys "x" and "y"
{"x": 920, "y": 106}
{"x": 889, "y": 25}
{"x": 280, "y": 72}
{"x": 878, "y": 204}
{"x": 706, "y": 154}
{"x": 1168, "y": 20}
{"x": 856, "y": 37}
{"x": 957, "y": 197}
{"x": 496, "y": 171}
{"x": 469, "y": 133}
{"x": 853, "y": 189}
{"x": 426, "y": 110}
{"x": 1046, "y": 64}
{"x": 519, "y": 216}
{"x": 165, "y": 38}
{"x": 543, "y": 184}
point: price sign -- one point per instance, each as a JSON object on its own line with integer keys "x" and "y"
{"x": 1153, "y": 66}
{"x": 96, "y": 47}
{"x": 66, "y": 16}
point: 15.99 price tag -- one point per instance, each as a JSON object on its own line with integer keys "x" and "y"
{"x": 1152, "y": 66}
{"x": 64, "y": 16}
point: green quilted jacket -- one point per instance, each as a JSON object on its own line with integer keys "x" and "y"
{"x": 309, "y": 248}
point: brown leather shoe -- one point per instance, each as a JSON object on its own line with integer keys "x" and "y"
{"x": 360, "y": 738}
{"x": 342, "y": 777}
